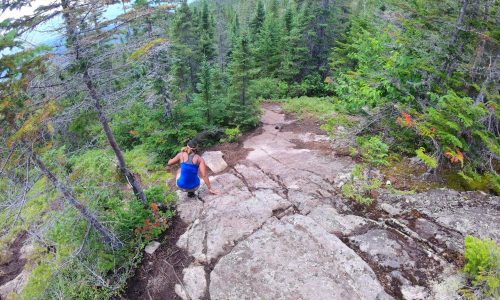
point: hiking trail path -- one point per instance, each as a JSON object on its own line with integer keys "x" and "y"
{"x": 280, "y": 229}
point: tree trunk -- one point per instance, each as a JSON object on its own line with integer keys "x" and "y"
{"x": 460, "y": 22}
{"x": 167, "y": 104}
{"x": 69, "y": 22}
{"x": 491, "y": 75}
{"x": 453, "y": 48}
{"x": 486, "y": 10}
{"x": 106, "y": 235}
{"x": 73, "y": 40}
{"x": 136, "y": 185}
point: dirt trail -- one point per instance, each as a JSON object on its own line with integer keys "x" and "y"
{"x": 281, "y": 230}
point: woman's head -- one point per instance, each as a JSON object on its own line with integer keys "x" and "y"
{"x": 191, "y": 146}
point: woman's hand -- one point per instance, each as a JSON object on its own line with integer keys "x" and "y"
{"x": 213, "y": 192}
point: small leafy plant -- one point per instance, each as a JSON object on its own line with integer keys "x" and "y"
{"x": 483, "y": 265}
{"x": 373, "y": 150}
{"x": 428, "y": 160}
{"x": 231, "y": 135}
{"x": 359, "y": 187}
{"x": 155, "y": 224}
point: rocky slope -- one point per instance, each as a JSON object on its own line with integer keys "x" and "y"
{"x": 281, "y": 230}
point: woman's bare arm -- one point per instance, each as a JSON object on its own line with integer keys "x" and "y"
{"x": 175, "y": 160}
{"x": 203, "y": 173}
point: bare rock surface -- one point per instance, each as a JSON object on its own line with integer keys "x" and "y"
{"x": 336, "y": 223}
{"x": 188, "y": 209}
{"x": 229, "y": 218}
{"x": 14, "y": 286}
{"x": 447, "y": 216}
{"x": 293, "y": 258}
{"x": 195, "y": 282}
{"x": 280, "y": 229}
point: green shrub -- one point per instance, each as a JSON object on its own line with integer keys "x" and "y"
{"x": 373, "y": 150}
{"x": 453, "y": 129}
{"x": 359, "y": 187}
{"x": 321, "y": 108}
{"x": 83, "y": 128}
{"x": 144, "y": 163}
{"x": 483, "y": 264}
{"x": 349, "y": 190}
{"x": 160, "y": 194}
{"x": 231, "y": 135}
{"x": 471, "y": 180}
{"x": 37, "y": 281}
{"x": 131, "y": 125}
{"x": 339, "y": 119}
{"x": 94, "y": 166}
{"x": 312, "y": 85}
{"x": 267, "y": 88}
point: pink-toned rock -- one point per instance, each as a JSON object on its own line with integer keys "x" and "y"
{"x": 228, "y": 218}
{"x": 293, "y": 258}
{"x": 215, "y": 161}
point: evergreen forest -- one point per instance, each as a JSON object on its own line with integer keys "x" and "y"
{"x": 88, "y": 124}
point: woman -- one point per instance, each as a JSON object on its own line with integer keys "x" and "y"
{"x": 187, "y": 175}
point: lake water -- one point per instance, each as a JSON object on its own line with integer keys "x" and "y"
{"x": 46, "y": 33}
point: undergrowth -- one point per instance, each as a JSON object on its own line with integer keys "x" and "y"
{"x": 482, "y": 265}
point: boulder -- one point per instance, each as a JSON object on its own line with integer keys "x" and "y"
{"x": 26, "y": 251}
{"x": 414, "y": 292}
{"x": 215, "y": 161}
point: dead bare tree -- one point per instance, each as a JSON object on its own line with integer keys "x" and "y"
{"x": 93, "y": 63}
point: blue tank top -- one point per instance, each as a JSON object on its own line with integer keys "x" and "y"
{"x": 189, "y": 175}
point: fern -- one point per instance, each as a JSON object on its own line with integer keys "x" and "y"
{"x": 428, "y": 160}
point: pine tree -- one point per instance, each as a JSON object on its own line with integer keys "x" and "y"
{"x": 242, "y": 110}
{"x": 258, "y": 20}
{"x": 184, "y": 43}
{"x": 288, "y": 21}
{"x": 267, "y": 47}
{"x": 235, "y": 31}
{"x": 206, "y": 98}
{"x": 206, "y": 47}
{"x": 294, "y": 53}
{"x": 319, "y": 28}
{"x": 222, "y": 36}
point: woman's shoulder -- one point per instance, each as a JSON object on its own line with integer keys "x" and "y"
{"x": 198, "y": 158}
